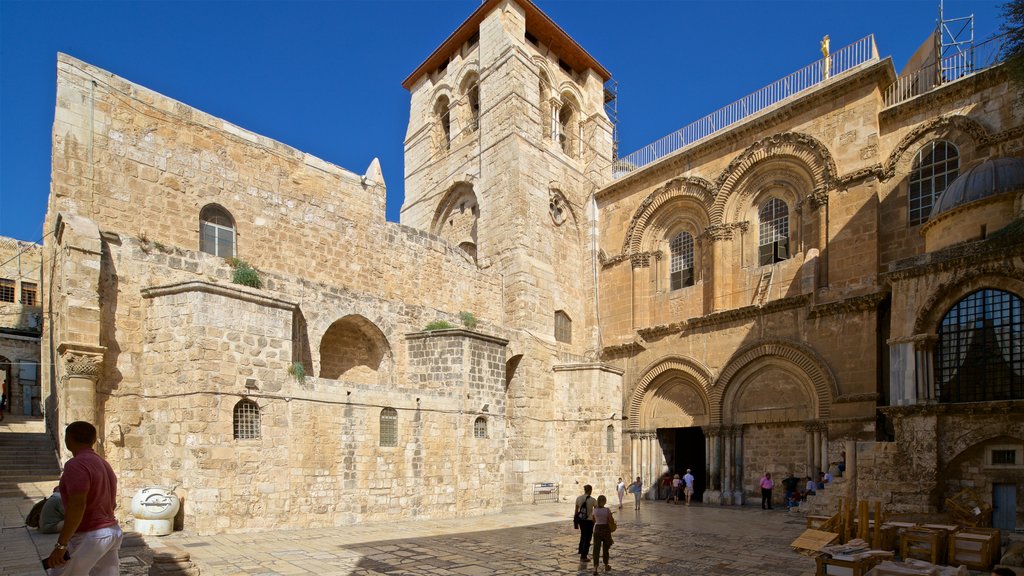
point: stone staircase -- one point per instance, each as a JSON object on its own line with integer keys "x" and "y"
{"x": 826, "y": 501}
{"x": 27, "y": 454}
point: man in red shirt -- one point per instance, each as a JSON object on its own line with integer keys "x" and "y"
{"x": 91, "y": 537}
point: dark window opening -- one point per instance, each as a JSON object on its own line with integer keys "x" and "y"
{"x": 6, "y": 290}
{"x": 1004, "y": 457}
{"x": 773, "y": 234}
{"x": 979, "y": 353}
{"x": 28, "y": 293}
{"x": 532, "y": 39}
{"x": 564, "y": 66}
{"x": 563, "y": 327}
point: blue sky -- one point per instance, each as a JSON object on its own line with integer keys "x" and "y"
{"x": 325, "y": 76}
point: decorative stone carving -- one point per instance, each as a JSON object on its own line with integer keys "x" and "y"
{"x": 818, "y": 198}
{"x": 693, "y": 186}
{"x": 641, "y": 260}
{"x": 557, "y": 207}
{"x": 82, "y": 365}
{"x": 941, "y": 125}
{"x": 809, "y": 150}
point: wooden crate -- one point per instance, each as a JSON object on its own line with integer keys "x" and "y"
{"x": 976, "y": 548}
{"x": 923, "y": 544}
{"x": 891, "y": 532}
{"x": 816, "y": 521}
{"x": 967, "y": 507}
{"x": 827, "y": 566}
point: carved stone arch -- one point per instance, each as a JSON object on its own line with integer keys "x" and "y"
{"x": 699, "y": 189}
{"x": 958, "y": 129}
{"x": 793, "y": 178}
{"x": 574, "y": 91}
{"x": 693, "y": 369}
{"x": 444, "y": 89}
{"x": 354, "y": 348}
{"x": 456, "y": 217}
{"x": 804, "y": 359}
{"x": 802, "y": 148}
{"x": 965, "y": 280}
{"x": 543, "y": 69}
{"x": 471, "y": 69}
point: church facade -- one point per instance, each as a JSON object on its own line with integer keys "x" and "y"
{"x": 243, "y": 324}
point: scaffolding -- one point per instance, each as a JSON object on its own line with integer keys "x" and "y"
{"x": 611, "y": 109}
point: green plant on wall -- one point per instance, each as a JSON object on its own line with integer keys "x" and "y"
{"x": 439, "y": 325}
{"x": 244, "y": 274}
{"x": 298, "y": 371}
{"x": 468, "y": 319}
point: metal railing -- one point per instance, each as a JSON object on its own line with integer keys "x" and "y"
{"x": 840, "y": 61}
{"x": 951, "y": 68}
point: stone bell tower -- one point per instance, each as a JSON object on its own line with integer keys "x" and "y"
{"x": 507, "y": 141}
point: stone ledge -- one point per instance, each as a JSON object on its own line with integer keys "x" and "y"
{"x": 235, "y": 291}
{"x": 456, "y": 332}
{"x": 588, "y": 366}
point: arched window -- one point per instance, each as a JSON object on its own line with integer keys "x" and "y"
{"x": 445, "y": 120}
{"x": 609, "y": 439}
{"x": 773, "y": 234}
{"x": 564, "y": 128}
{"x": 936, "y": 165}
{"x": 216, "y": 231}
{"x": 473, "y": 96}
{"x": 681, "y": 262}
{"x": 246, "y": 419}
{"x": 480, "y": 427}
{"x": 389, "y": 427}
{"x": 978, "y": 354}
{"x": 563, "y": 327}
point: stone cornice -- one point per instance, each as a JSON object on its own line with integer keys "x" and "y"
{"x": 618, "y": 350}
{"x": 880, "y": 73}
{"x": 725, "y": 316}
{"x": 851, "y": 398}
{"x": 997, "y": 252}
{"x": 234, "y": 291}
{"x": 598, "y": 366}
{"x": 456, "y": 332}
{"x": 1009, "y": 407}
{"x": 854, "y": 304}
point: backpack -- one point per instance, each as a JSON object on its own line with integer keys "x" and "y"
{"x": 32, "y": 520}
{"x": 581, "y": 514}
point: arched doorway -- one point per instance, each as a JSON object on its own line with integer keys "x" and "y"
{"x": 671, "y": 404}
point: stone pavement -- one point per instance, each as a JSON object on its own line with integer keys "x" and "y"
{"x": 661, "y": 539}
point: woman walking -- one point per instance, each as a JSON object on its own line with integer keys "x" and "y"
{"x": 602, "y": 532}
{"x": 620, "y": 490}
{"x": 766, "y": 491}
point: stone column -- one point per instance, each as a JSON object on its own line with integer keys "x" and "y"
{"x": 713, "y": 495}
{"x": 823, "y": 434}
{"x": 652, "y": 464}
{"x": 641, "y": 264}
{"x": 924, "y": 377}
{"x": 737, "y": 497}
{"x": 819, "y": 203}
{"x": 82, "y": 366}
{"x": 727, "y": 468}
{"x": 719, "y": 236}
{"x": 850, "y": 475}
{"x": 634, "y": 455}
{"x": 809, "y": 462}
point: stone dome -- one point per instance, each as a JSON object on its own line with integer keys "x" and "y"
{"x": 990, "y": 178}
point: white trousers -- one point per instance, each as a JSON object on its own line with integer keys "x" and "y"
{"x": 93, "y": 553}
